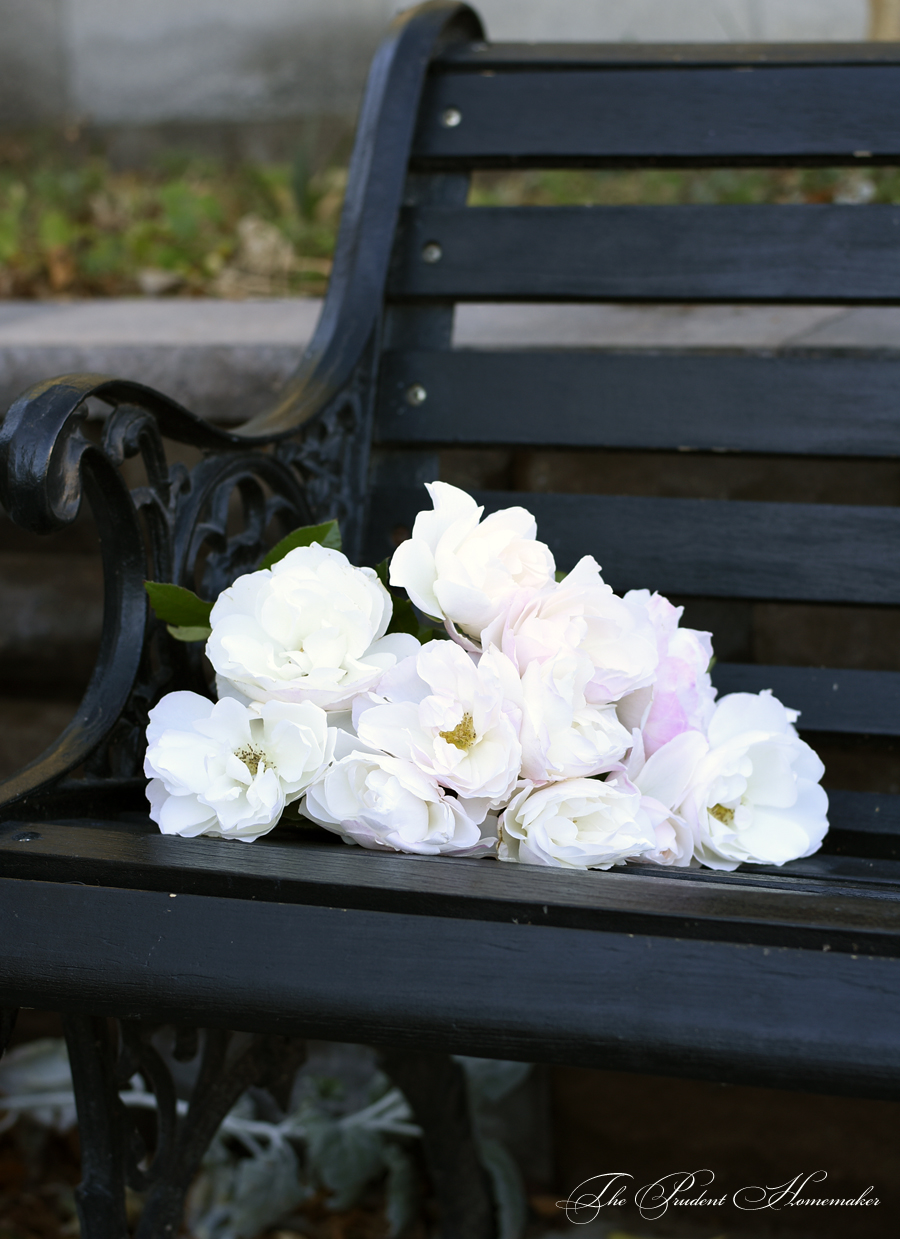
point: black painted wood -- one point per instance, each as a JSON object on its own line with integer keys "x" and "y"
{"x": 703, "y": 547}
{"x": 764, "y": 114}
{"x": 849, "y": 701}
{"x": 479, "y": 55}
{"x": 807, "y": 1019}
{"x": 769, "y": 906}
{"x": 817, "y": 253}
{"x": 100, "y": 1196}
{"x": 799, "y": 404}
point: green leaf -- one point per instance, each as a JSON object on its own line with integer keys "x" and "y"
{"x": 382, "y": 571}
{"x": 187, "y": 632}
{"x": 404, "y": 618}
{"x": 560, "y": 575}
{"x": 178, "y": 606}
{"x": 328, "y": 534}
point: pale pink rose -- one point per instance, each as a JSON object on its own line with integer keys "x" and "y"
{"x": 563, "y": 735}
{"x": 582, "y": 614}
{"x": 384, "y": 803}
{"x": 462, "y": 569}
{"x": 454, "y": 716}
{"x": 662, "y": 781}
{"x": 682, "y": 697}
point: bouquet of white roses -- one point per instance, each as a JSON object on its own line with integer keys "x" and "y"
{"x": 545, "y": 721}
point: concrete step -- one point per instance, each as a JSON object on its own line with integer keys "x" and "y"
{"x": 226, "y": 359}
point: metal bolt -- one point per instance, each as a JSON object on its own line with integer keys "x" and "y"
{"x": 416, "y": 395}
{"x": 26, "y": 836}
{"x": 451, "y": 117}
{"x": 432, "y": 252}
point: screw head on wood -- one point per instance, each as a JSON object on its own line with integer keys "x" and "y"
{"x": 450, "y": 117}
{"x": 432, "y": 252}
{"x": 416, "y": 395}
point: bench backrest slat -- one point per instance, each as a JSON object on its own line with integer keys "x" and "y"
{"x": 650, "y": 253}
{"x": 741, "y": 112}
{"x": 803, "y": 405}
{"x": 706, "y": 547}
{"x": 853, "y": 702}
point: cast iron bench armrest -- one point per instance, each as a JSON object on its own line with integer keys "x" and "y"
{"x": 48, "y": 464}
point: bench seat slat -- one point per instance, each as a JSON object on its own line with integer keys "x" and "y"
{"x": 797, "y": 404}
{"x": 848, "y": 701}
{"x": 804, "y": 1018}
{"x": 698, "y": 547}
{"x": 760, "y": 114}
{"x": 734, "y": 254}
{"x": 286, "y": 868}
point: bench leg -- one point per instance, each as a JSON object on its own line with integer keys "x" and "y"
{"x": 100, "y": 1197}
{"x": 435, "y": 1087}
{"x": 227, "y": 1070}
{"x": 7, "y": 1024}
{"x": 112, "y": 1152}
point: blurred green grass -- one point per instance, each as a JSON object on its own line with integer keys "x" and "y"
{"x": 72, "y": 225}
{"x": 673, "y": 187}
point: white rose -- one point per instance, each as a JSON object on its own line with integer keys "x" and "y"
{"x": 227, "y": 769}
{"x": 451, "y": 715}
{"x": 576, "y": 824}
{"x": 385, "y": 803}
{"x": 754, "y": 795}
{"x": 662, "y": 781}
{"x": 681, "y": 697}
{"x": 582, "y": 613}
{"x": 563, "y": 736}
{"x": 311, "y": 628}
{"x": 460, "y": 570}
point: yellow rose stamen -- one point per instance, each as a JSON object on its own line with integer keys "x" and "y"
{"x": 723, "y": 815}
{"x": 251, "y": 758}
{"x": 463, "y": 734}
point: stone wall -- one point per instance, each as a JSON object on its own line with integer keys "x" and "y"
{"x": 132, "y": 63}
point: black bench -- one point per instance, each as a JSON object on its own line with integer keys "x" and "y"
{"x": 786, "y": 977}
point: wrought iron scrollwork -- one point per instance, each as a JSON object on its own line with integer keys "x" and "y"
{"x": 199, "y": 527}
{"x": 331, "y": 454}
{"x": 104, "y": 1057}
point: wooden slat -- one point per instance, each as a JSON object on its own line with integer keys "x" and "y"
{"x": 837, "y": 254}
{"x": 804, "y": 1018}
{"x": 313, "y": 868}
{"x": 477, "y": 57}
{"x": 847, "y": 872}
{"x": 701, "y": 547}
{"x": 800, "y": 404}
{"x": 855, "y": 702}
{"x": 865, "y": 813}
{"x": 863, "y": 824}
{"x": 758, "y": 114}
